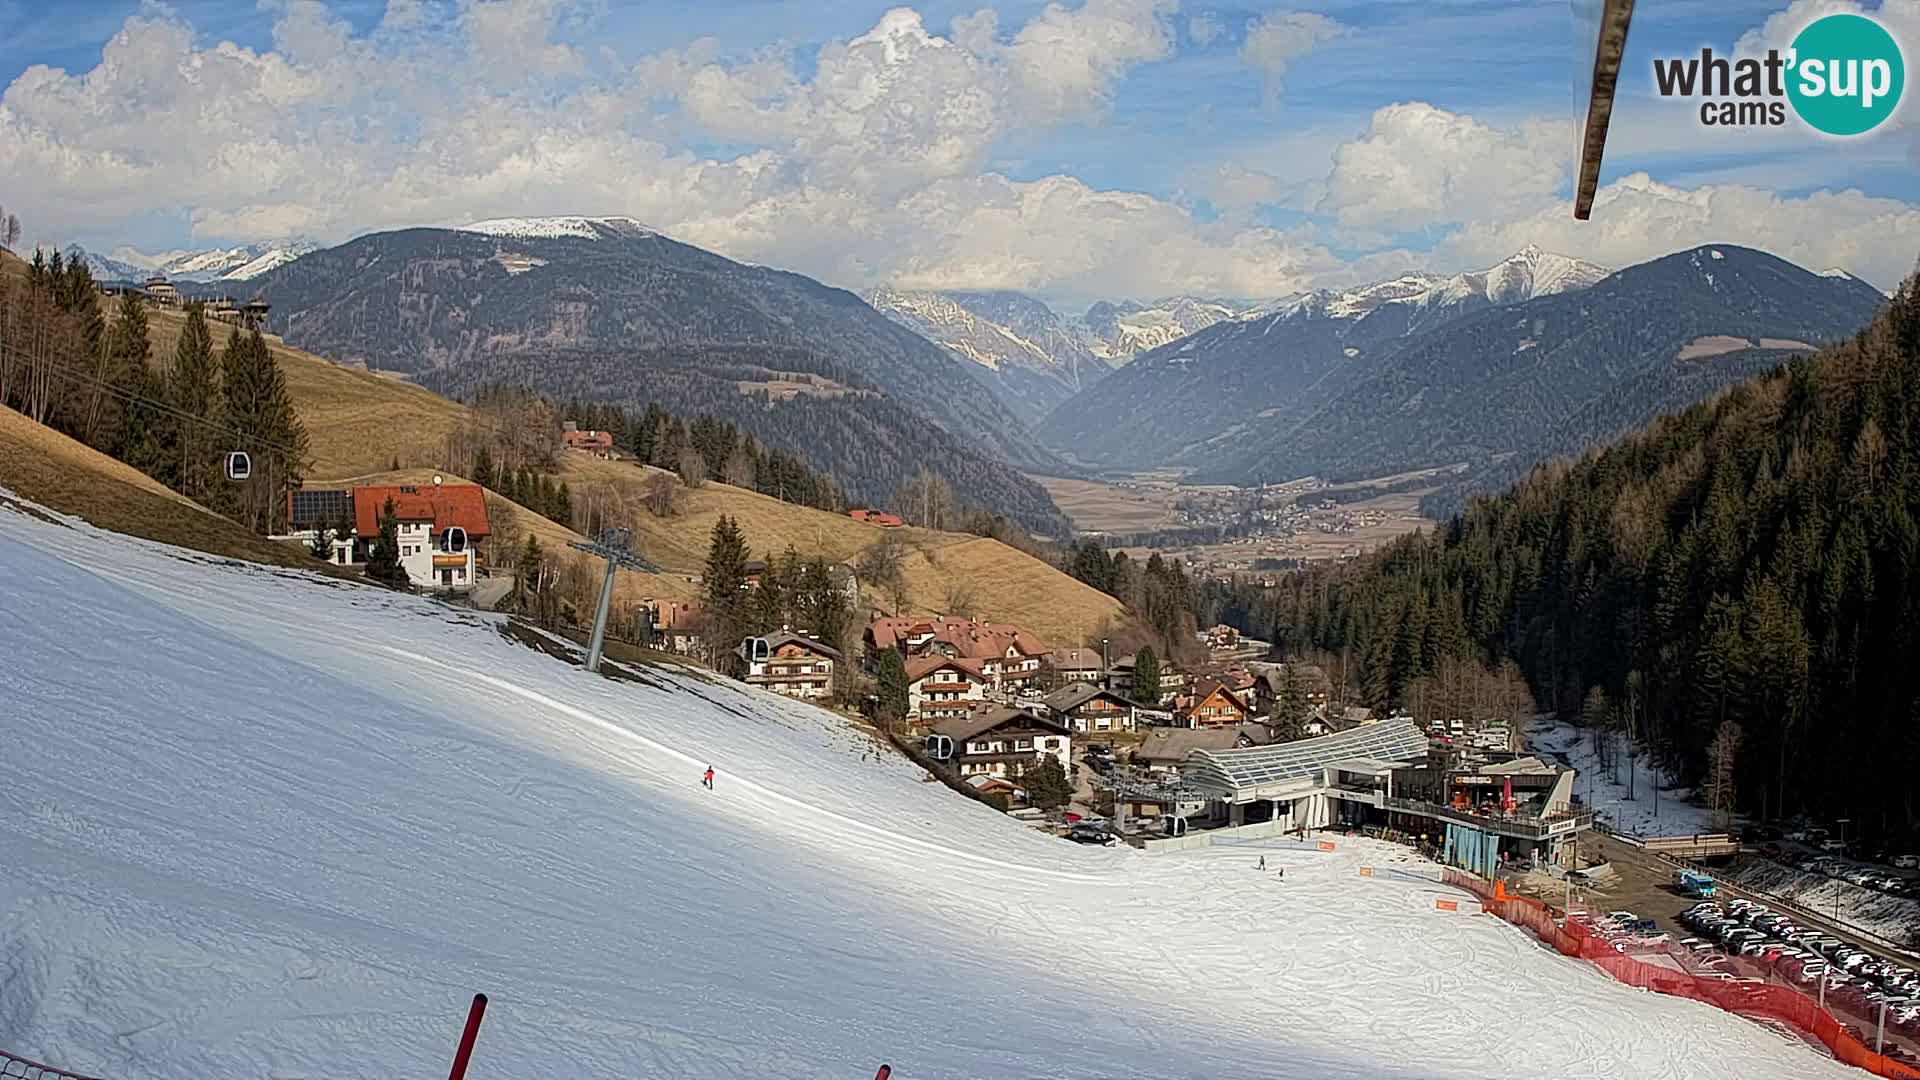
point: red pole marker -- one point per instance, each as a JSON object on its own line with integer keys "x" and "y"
{"x": 460, "y": 1057}
{"x": 885, "y": 1071}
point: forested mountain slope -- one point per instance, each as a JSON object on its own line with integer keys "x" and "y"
{"x": 1500, "y": 381}
{"x": 607, "y": 302}
{"x": 1754, "y": 560}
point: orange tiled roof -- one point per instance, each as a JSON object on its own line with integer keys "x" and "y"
{"x": 445, "y": 505}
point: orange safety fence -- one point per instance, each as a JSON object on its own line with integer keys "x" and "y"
{"x": 1775, "y": 1001}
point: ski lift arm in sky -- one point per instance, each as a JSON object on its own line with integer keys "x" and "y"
{"x": 1609, "y": 47}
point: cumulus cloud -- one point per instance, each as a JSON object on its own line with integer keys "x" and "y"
{"x": 1276, "y": 39}
{"x": 1204, "y": 29}
{"x": 1421, "y": 168}
{"x": 1636, "y": 218}
{"x": 869, "y": 166}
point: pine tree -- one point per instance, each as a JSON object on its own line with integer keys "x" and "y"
{"x": 726, "y": 576}
{"x": 770, "y": 601}
{"x": 892, "y": 679}
{"x": 1722, "y": 756}
{"x": 383, "y": 562}
{"x": 1290, "y": 709}
{"x": 194, "y": 425}
{"x": 260, "y": 415}
{"x": 1146, "y": 676}
{"x": 563, "y": 506}
{"x": 320, "y": 546}
{"x": 145, "y": 437}
{"x": 483, "y": 468}
{"x": 1046, "y": 783}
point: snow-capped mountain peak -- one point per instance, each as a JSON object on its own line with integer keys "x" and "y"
{"x": 241, "y": 263}
{"x": 565, "y": 226}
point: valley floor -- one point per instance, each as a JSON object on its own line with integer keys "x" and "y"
{"x": 260, "y": 823}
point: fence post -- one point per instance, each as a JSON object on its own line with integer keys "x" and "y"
{"x": 1880, "y": 1031}
{"x": 466, "y": 1037}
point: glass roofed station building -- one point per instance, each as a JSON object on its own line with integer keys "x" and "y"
{"x": 1512, "y": 814}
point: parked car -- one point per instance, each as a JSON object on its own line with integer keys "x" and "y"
{"x": 1906, "y": 862}
{"x": 1831, "y": 844}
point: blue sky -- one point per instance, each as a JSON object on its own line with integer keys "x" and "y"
{"x": 1142, "y": 147}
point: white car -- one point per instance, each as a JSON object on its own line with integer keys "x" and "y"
{"x": 1906, "y": 862}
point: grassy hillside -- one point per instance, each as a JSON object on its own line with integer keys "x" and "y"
{"x": 358, "y": 423}
{"x": 40, "y": 464}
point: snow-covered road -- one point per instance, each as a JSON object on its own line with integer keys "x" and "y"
{"x": 259, "y": 824}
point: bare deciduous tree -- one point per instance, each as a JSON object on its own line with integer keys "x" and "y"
{"x": 692, "y": 467}
{"x": 663, "y": 495}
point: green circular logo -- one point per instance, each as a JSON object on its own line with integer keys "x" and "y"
{"x": 1846, "y": 74}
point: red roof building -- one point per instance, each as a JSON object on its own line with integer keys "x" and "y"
{"x": 877, "y": 517}
{"x": 442, "y": 506}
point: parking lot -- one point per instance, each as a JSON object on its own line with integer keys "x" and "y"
{"x": 1741, "y": 940}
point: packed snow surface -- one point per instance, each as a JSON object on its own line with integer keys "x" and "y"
{"x": 259, "y": 824}
{"x": 1623, "y": 796}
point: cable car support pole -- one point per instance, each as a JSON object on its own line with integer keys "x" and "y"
{"x": 1612, "y": 45}
{"x": 615, "y": 546}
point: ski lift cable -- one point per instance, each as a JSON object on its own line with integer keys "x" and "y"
{"x": 169, "y": 408}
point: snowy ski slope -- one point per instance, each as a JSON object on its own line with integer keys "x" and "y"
{"x": 254, "y": 824}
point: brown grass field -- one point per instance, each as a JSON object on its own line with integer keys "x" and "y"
{"x": 1095, "y": 506}
{"x": 40, "y": 464}
{"x": 358, "y": 423}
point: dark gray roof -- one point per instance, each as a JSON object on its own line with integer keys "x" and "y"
{"x": 979, "y": 721}
{"x": 1074, "y": 695}
{"x": 774, "y": 641}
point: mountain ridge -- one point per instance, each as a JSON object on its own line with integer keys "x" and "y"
{"x": 1499, "y": 380}
{"x": 656, "y": 319}
{"x": 1186, "y": 403}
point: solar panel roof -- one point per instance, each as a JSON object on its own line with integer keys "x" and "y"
{"x": 1252, "y": 766}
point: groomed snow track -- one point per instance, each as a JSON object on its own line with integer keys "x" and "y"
{"x": 255, "y": 823}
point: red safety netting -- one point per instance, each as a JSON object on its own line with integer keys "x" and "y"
{"x": 1845, "y": 1026}
{"x": 18, "y": 1067}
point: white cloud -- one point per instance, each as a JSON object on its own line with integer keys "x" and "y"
{"x": 1064, "y": 63}
{"x": 869, "y": 167}
{"x": 1276, "y": 39}
{"x": 1636, "y": 218}
{"x": 1204, "y": 29}
{"x": 1419, "y": 167}
{"x": 1232, "y": 187}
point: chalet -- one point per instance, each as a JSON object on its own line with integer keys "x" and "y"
{"x": 1079, "y": 665}
{"x": 1173, "y": 681}
{"x": 677, "y": 626}
{"x": 1009, "y": 657}
{"x": 1222, "y": 638}
{"x": 1089, "y": 709}
{"x": 753, "y": 570}
{"x": 1272, "y": 683}
{"x": 425, "y": 516}
{"x": 597, "y": 443}
{"x": 1212, "y": 705}
{"x": 160, "y": 291}
{"x": 999, "y": 741}
{"x": 942, "y": 687}
{"x": 1165, "y": 749}
{"x": 877, "y": 517}
{"x": 790, "y": 664}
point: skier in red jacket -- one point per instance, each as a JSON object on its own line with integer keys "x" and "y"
{"x": 708, "y": 779}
